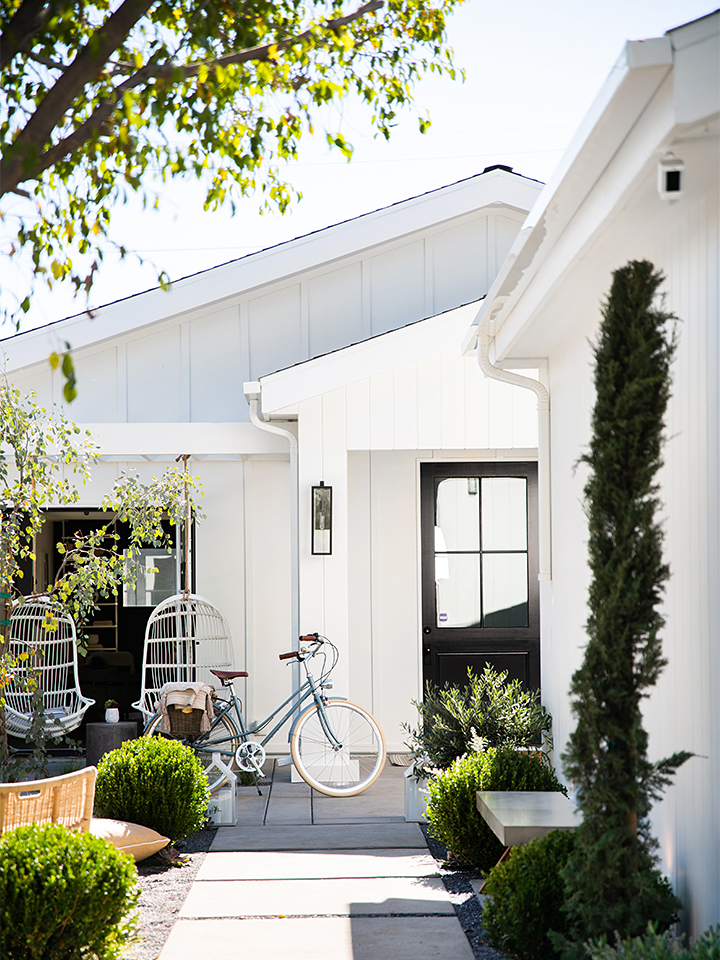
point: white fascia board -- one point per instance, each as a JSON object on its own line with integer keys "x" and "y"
{"x": 610, "y": 194}
{"x": 362, "y": 360}
{"x": 697, "y": 68}
{"x": 161, "y": 440}
{"x": 211, "y": 288}
{"x": 625, "y": 95}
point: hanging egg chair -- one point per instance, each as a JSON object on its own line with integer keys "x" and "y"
{"x": 186, "y": 636}
{"x": 42, "y": 642}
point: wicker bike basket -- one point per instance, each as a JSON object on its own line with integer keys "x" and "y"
{"x": 184, "y": 721}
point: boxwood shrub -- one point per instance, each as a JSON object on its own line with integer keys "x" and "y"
{"x": 63, "y": 895}
{"x": 156, "y": 782}
{"x": 451, "y": 811}
{"x": 526, "y": 893}
{"x": 657, "y": 946}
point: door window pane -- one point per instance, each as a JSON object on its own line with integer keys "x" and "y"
{"x": 505, "y": 590}
{"x": 457, "y": 587}
{"x": 504, "y": 513}
{"x": 458, "y": 513}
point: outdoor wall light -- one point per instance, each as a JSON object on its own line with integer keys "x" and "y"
{"x": 322, "y": 520}
{"x": 671, "y": 177}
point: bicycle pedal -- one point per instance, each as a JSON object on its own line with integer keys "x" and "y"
{"x": 285, "y": 761}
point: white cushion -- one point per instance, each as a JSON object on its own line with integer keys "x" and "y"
{"x": 140, "y": 842}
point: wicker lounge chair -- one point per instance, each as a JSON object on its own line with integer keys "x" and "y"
{"x": 66, "y": 800}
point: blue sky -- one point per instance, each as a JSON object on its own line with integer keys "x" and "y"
{"x": 532, "y": 71}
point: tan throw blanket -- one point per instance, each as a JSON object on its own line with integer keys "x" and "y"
{"x": 197, "y": 696}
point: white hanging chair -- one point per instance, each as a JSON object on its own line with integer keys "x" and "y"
{"x": 42, "y": 628}
{"x": 186, "y": 637}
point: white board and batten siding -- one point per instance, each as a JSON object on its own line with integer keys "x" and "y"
{"x": 162, "y": 374}
{"x": 367, "y": 439}
{"x": 554, "y": 316}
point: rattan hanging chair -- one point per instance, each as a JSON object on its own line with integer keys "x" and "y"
{"x": 42, "y": 642}
{"x": 186, "y": 637}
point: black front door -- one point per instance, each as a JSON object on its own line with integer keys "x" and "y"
{"x": 479, "y": 571}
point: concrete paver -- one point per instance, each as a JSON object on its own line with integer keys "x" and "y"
{"x": 320, "y": 938}
{"x": 317, "y": 865}
{"x": 347, "y": 808}
{"x": 319, "y": 837}
{"x": 289, "y": 810}
{"x": 283, "y": 789}
{"x": 315, "y": 878}
{"x": 270, "y": 898}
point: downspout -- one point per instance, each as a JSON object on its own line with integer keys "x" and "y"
{"x": 252, "y": 393}
{"x": 540, "y": 391}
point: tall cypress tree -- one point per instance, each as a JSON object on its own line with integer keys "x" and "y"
{"x": 612, "y": 883}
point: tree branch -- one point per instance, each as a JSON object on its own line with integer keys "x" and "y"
{"x": 19, "y": 31}
{"x": 84, "y": 68}
{"x": 266, "y": 52}
{"x": 103, "y": 112}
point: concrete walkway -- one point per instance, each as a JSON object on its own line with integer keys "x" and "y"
{"x": 307, "y": 877}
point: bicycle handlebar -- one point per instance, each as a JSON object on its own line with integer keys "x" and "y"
{"x": 303, "y": 638}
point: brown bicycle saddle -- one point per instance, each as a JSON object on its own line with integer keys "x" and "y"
{"x": 229, "y": 674}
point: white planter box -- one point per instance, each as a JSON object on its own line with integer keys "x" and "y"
{"x": 415, "y": 797}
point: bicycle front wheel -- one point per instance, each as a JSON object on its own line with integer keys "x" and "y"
{"x": 344, "y": 768}
{"x": 224, "y": 739}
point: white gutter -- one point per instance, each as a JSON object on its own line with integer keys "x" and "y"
{"x": 539, "y": 389}
{"x": 252, "y": 391}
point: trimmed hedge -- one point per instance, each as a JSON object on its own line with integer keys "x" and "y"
{"x": 156, "y": 782}
{"x": 451, "y": 811}
{"x": 64, "y": 896}
{"x": 656, "y": 946}
{"x": 526, "y": 893}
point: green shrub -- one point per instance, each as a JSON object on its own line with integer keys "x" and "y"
{"x": 656, "y": 946}
{"x": 156, "y": 782}
{"x": 526, "y": 894}
{"x": 63, "y": 895}
{"x": 451, "y": 811}
{"x": 489, "y": 712}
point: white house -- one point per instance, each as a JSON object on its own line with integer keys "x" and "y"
{"x": 351, "y": 338}
{"x": 610, "y": 202}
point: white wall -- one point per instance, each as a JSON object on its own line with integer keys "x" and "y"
{"x": 366, "y": 440}
{"x": 684, "y": 711}
{"x": 191, "y": 366}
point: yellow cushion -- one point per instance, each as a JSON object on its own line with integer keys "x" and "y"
{"x": 140, "y": 842}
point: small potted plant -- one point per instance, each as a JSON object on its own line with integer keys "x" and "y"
{"x": 112, "y": 711}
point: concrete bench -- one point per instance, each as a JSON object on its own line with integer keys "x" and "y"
{"x": 516, "y": 816}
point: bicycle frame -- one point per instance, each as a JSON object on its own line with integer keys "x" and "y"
{"x": 307, "y": 690}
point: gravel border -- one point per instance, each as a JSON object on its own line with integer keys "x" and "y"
{"x": 164, "y": 889}
{"x": 462, "y": 896}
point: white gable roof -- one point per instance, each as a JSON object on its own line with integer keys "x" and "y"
{"x": 212, "y": 290}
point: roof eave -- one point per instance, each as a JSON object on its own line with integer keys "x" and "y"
{"x": 630, "y": 86}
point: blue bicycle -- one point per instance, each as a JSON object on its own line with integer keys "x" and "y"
{"x": 337, "y": 747}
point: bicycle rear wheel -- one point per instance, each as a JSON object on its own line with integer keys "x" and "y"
{"x": 224, "y": 739}
{"x": 344, "y": 770}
